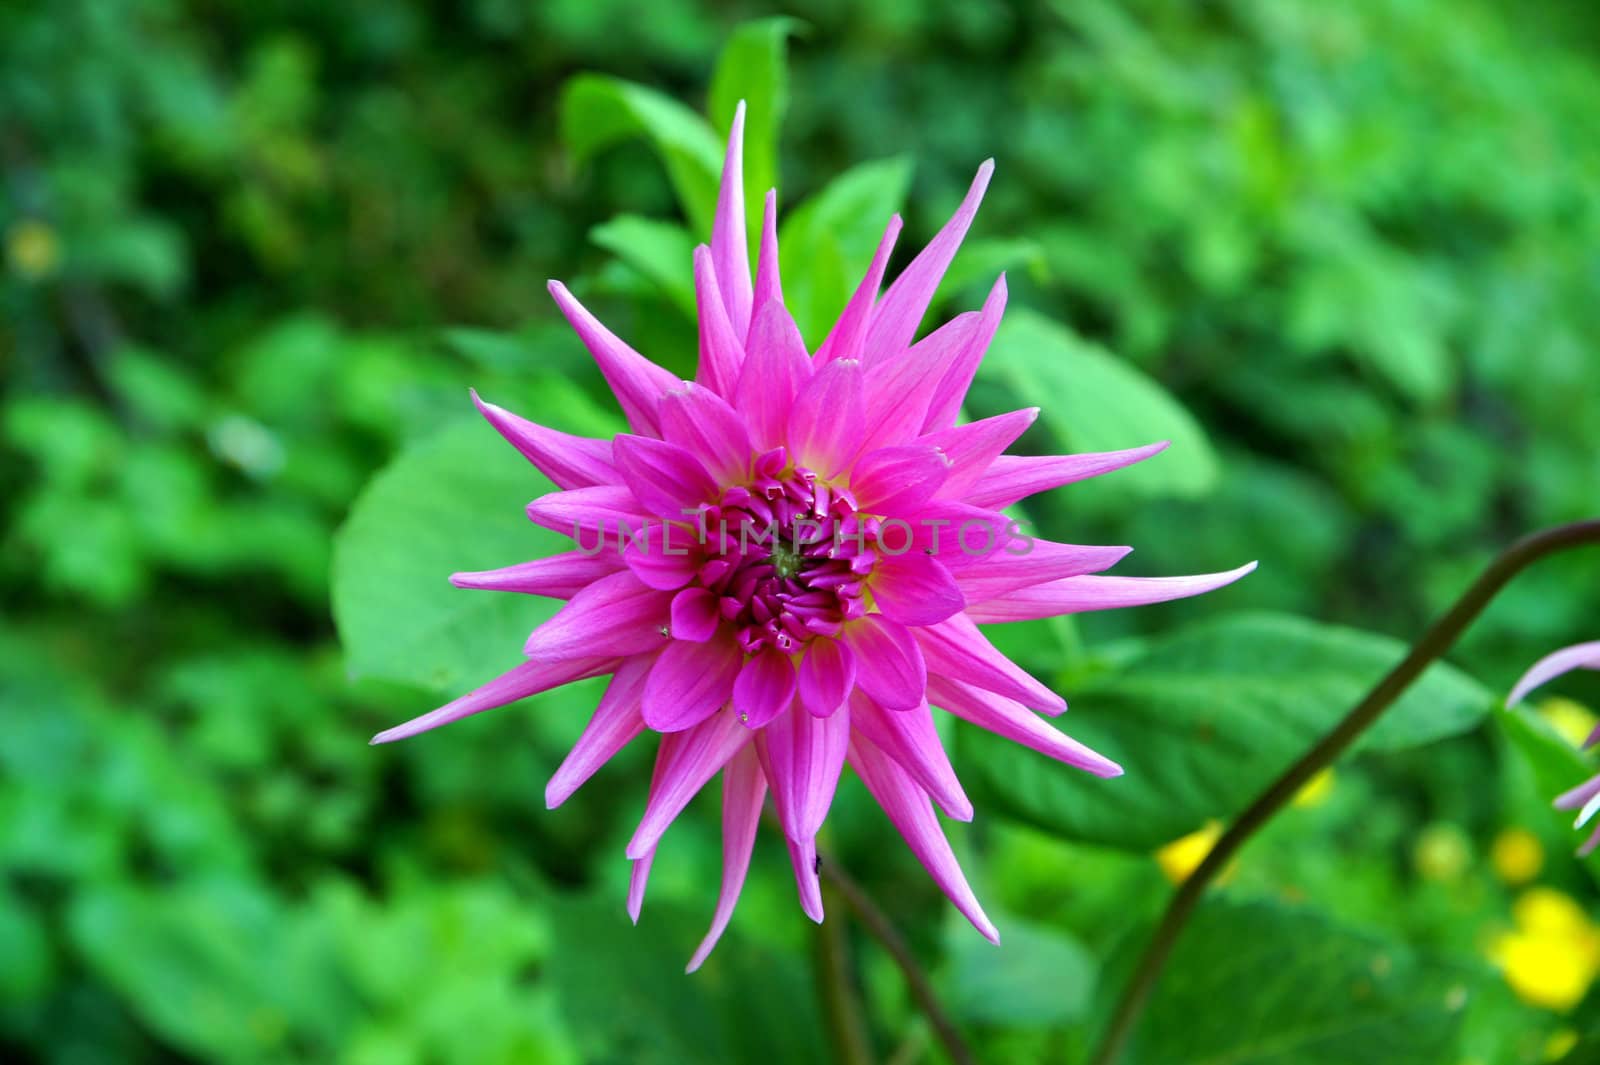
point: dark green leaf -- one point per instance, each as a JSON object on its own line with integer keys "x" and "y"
{"x": 1203, "y": 719}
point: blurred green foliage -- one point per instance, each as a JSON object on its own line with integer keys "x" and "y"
{"x": 1347, "y": 257}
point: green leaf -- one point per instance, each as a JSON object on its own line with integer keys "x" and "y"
{"x": 661, "y": 251}
{"x": 754, "y": 67}
{"x": 829, "y": 239}
{"x": 1258, "y": 983}
{"x": 1041, "y": 977}
{"x": 598, "y": 111}
{"x": 453, "y": 502}
{"x": 980, "y": 261}
{"x": 1094, "y": 401}
{"x": 1203, "y": 719}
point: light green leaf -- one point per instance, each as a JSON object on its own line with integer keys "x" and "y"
{"x": 452, "y": 502}
{"x": 980, "y": 261}
{"x": 1260, "y": 983}
{"x": 829, "y": 239}
{"x": 599, "y": 111}
{"x": 661, "y": 251}
{"x": 1094, "y": 401}
{"x": 1203, "y": 719}
{"x": 1041, "y": 977}
{"x": 754, "y": 67}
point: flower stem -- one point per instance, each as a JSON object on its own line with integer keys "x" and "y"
{"x": 1438, "y": 639}
{"x": 878, "y": 925}
{"x": 836, "y": 988}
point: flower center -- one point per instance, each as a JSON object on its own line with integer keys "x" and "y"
{"x": 787, "y": 556}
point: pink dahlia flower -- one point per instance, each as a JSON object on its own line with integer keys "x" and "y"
{"x": 1585, "y": 798}
{"x": 786, "y": 561}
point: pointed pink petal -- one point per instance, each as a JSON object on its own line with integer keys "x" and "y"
{"x": 637, "y": 382}
{"x": 895, "y": 481}
{"x": 529, "y": 678}
{"x": 744, "y": 789}
{"x": 1013, "y": 478}
{"x": 687, "y": 760}
{"x": 1015, "y": 722}
{"x": 803, "y": 855}
{"x": 665, "y": 557}
{"x": 827, "y": 673}
{"x": 665, "y": 478}
{"x": 1578, "y": 796}
{"x": 701, "y": 422}
{"x": 895, "y": 319}
{"x": 1042, "y": 561}
{"x": 765, "y": 686}
{"x": 599, "y": 518}
{"x": 616, "y": 615}
{"x": 1077, "y": 595}
{"x": 570, "y": 461}
{"x": 955, "y": 648}
{"x": 690, "y": 682}
{"x": 768, "y": 287}
{"x": 775, "y": 370}
{"x": 638, "y": 878}
{"x": 729, "y": 251}
{"x": 614, "y": 724}
{"x": 1553, "y": 665}
{"x": 695, "y": 615}
{"x": 721, "y": 349}
{"x": 889, "y": 665}
{"x": 958, "y": 535}
{"x": 900, "y": 389}
{"x": 952, "y": 390}
{"x": 559, "y": 576}
{"x": 1589, "y": 847}
{"x": 914, "y": 589}
{"x": 825, "y": 423}
{"x": 974, "y": 447}
{"x": 802, "y": 756}
{"x": 844, "y": 342}
{"x": 912, "y": 814}
{"x": 908, "y": 737}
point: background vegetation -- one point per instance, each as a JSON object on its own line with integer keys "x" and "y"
{"x": 1346, "y": 256}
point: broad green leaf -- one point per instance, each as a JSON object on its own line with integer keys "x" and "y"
{"x": 452, "y": 502}
{"x": 599, "y": 111}
{"x": 1094, "y": 401}
{"x": 1260, "y": 983}
{"x": 1039, "y": 978}
{"x": 980, "y": 261}
{"x": 661, "y": 251}
{"x": 1203, "y": 719}
{"x": 754, "y": 67}
{"x": 829, "y": 239}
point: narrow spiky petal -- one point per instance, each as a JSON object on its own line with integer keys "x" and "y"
{"x": 802, "y": 755}
{"x": 519, "y": 682}
{"x": 616, "y": 722}
{"x": 637, "y": 382}
{"x": 912, "y": 814}
{"x": 1553, "y": 665}
{"x": 909, "y": 737}
{"x": 687, "y": 760}
{"x": 744, "y": 790}
{"x": 1012, "y": 478}
{"x": 559, "y": 576}
{"x": 729, "y": 251}
{"x": 1078, "y": 595}
{"x": 768, "y": 286}
{"x": 894, "y": 321}
{"x": 844, "y": 342}
{"x": 570, "y": 461}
